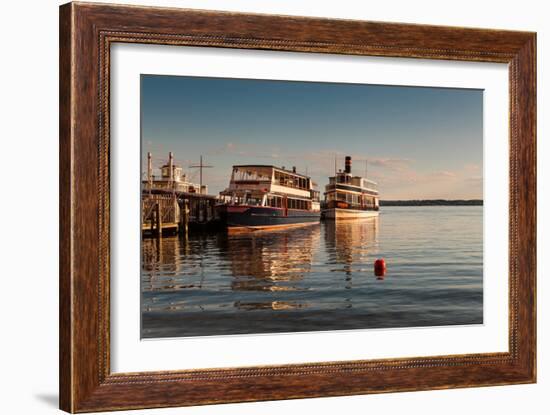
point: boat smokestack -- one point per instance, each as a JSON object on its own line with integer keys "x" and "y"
{"x": 348, "y": 164}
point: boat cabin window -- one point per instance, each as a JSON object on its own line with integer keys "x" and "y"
{"x": 246, "y": 199}
{"x": 291, "y": 180}
{"x": 241, "y": 174}
{"x": 275, "y": 201}
{"x": 343, "y": 178}
{"x": 253, "y": 200}
{"x": 299, "y": 204}
{"x": 368, "y": 184}
{"x": 340, "y": 196}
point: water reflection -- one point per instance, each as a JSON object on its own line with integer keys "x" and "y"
{"x": 348, "y": 243}
{"x": 316, "y": 277}
{"x": 268, "y": 262}
{"x": 271, "y": 261}
{"x": 273, "y": 305}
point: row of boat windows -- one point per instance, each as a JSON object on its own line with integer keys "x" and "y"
{"x": 280, "y": 178}
{"x": 274, "y": 201}
{"x": 350, "y": 198}
{"x": 288, "y": 180}
{"x": 354, "y": 181}
{"x": 240, "y": 174}
{"x": 344, "y": 179}
{"x": 291, "y": 203}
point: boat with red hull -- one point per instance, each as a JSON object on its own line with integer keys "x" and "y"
{"x": 261, "y": 197}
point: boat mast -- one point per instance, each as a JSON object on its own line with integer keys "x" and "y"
{"x": 200, "y": 166}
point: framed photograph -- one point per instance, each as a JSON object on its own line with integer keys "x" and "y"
{"x": 259, "y": 207}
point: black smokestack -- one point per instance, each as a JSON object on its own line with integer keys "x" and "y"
{"x": 348, "y": 164}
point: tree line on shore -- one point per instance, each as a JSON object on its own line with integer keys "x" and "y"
{"x": 432, "y": 202}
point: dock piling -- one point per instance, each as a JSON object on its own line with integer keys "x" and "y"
{"x": 184, "y": 216}
{"x": 158, "y": 220}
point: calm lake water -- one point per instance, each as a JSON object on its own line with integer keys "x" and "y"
{"x": 318, "y": 277}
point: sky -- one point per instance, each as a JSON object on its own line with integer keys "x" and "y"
{"x": 416, "y": 142}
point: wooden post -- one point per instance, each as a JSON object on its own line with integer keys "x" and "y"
{"x": 205, "y": 211}
{"x": 184, "y": 216}
{"x": 174, "y": 217}
{"x": 158, "y": 219}
{"x": 158, "y": 251}
{"x": 151, "y": 221}
{"x": 154, "y": 220}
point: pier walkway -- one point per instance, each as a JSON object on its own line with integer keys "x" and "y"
{"x": 166, "y": 211}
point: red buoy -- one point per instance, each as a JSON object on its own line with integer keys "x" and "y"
{"x": 380, "y": 268}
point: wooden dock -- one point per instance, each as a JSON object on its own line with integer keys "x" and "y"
{"x": 165, "y": 211}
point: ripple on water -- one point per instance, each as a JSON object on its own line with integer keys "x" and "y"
{"x": 318, "y": 277}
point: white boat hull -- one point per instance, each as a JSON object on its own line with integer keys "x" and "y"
{"x": 339, "y": 214}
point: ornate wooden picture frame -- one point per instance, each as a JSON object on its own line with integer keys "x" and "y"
{"x": 87, "y": 32}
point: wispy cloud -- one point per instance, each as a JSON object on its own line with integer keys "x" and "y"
{"x": 246, "y": 150}
{"x": 396, "y": 164}
{"x": 446, "y": 173}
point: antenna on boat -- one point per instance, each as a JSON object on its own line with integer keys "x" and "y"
{"x": 200, "y": 166}
{"x": 365, "y": 168}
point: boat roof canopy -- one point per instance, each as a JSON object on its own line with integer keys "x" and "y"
{"x": 269, "y": 166}
{"x": 343, "y": 173}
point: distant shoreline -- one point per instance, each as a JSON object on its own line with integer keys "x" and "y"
{"x": 432, "y": 202}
